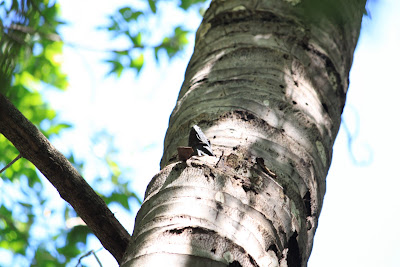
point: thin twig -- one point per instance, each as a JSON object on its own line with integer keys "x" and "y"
{"x": 88, "y": 254}
{"x": 11, "y": 163}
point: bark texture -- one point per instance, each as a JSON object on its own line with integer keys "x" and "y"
{"x": 267, "y": 83}
{"x": 35, "y": 147}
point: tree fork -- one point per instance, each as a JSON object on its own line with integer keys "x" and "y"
{"x": 35, "y": 147}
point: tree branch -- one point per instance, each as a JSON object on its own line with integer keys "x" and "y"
{"x": 35, "y": 147}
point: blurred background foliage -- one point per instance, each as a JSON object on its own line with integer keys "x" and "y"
{"x": 31, "y": 230}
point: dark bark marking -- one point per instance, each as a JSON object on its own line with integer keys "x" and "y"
{"x": 325, "y": 107}
{"x": 273, "y": 248}
{"x": 293, "y": 256}
{"x": 192, "y": 230}
{"x": 245, "y": 115}
{"x": 219, "y": 206}
{"x": 242, "y": 16}
{"x": 235, "y": 264}
{"x": 331, "y": 71}
{"x": 260, "y": 162}
{"x": 307, "y": 203}
{"x": 252, "y": 261}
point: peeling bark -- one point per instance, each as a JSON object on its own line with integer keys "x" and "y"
{"x": 267, "y": 84}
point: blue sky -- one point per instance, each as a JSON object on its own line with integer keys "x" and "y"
{"x": 358, "y": 225}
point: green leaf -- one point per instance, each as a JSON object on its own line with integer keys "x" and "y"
{"x": 56, "y": 129}
{"x": 181, "y": 36}
{"x": 137, "y": 63}
{"x": 119, "y": 198}
{"x": 137, "y": 40}
{"x": 121, "y": 52}
{"x": 152, "y": 4}
{"x": 128, "y": 14}
{"x": 135, "y": 15}
{"x": 135, "y": 196}
{"x": 173, "y": 44}
{"x": 78, "y": 234}
{"x": 156, "y": 50}
{"x": 13, "y": 233}
{"x": 115, "y": 169}
{"x": 116, "y": 67}
{"x": 26, "y": 205}
{"x": 186, "y": 4}
{"x": 43, "y": 258}
{"x": 125, "y": 12}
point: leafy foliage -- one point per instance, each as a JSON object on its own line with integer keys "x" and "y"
{"x": 131, "y": 23}
{"x": 31, "y": 63}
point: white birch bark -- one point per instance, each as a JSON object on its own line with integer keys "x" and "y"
{"x": 267, "y": 84}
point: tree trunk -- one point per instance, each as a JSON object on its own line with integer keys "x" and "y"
{"x": 267, "y": 84}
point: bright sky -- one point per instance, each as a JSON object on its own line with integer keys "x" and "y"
{"x": 359, "y": 222}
